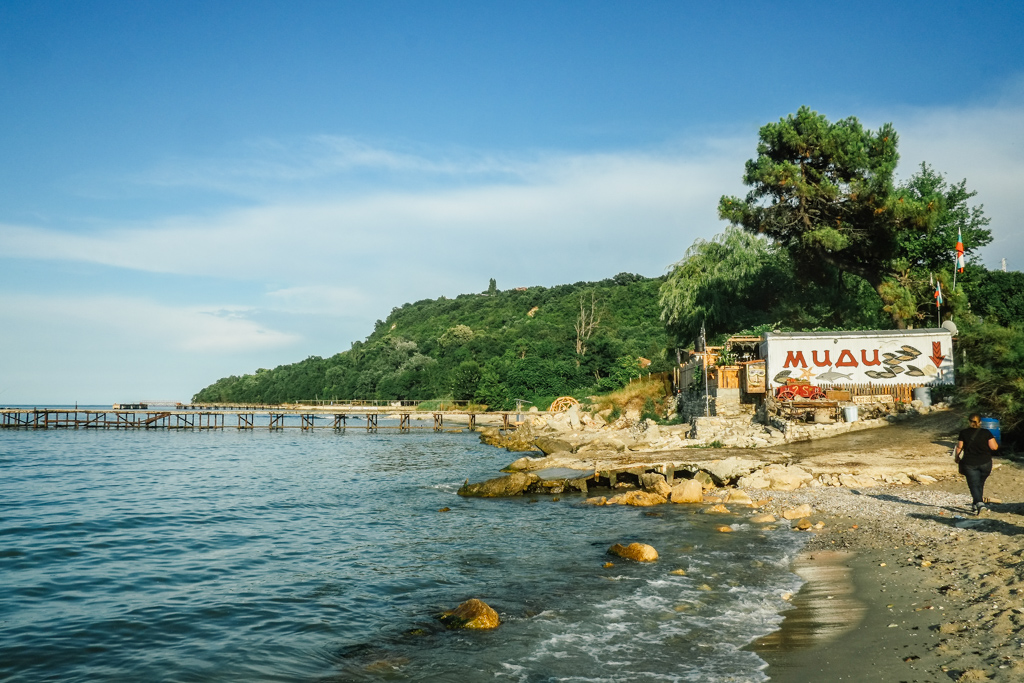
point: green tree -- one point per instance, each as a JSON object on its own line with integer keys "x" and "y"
{"x": 825, "y": 192}
{"x": 996, "y": 296}
{"x": 466, "y": 380}
{"x": 738, "y": 281}
{"x": 993, "y": 375}
{"x": 920, "y": 257}
{"x": 492, "y": 287}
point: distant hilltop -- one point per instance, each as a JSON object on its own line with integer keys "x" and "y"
{"x": 531, "y": 343}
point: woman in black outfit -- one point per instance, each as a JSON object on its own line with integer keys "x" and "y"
{"x": 974, "y": 450}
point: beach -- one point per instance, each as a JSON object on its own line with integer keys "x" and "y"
{"x": 905, "y": 585}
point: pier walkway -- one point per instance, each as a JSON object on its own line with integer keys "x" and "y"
{"x": 276, "y": 417}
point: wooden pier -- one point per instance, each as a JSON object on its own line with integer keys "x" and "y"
{"x": 303, "y": 418}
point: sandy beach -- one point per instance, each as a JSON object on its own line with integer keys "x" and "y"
{"x": 904, "y": 584}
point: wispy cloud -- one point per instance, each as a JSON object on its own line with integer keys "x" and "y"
{"x": 566, "y": 202}
{"x": 129, "y": 322}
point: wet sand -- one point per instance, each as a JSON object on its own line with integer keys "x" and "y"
{"x": 936, "y": 596}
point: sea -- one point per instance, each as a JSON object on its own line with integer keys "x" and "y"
{"x": 228, "y": 555}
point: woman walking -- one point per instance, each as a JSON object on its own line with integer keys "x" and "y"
{"x": 973, "y": 453}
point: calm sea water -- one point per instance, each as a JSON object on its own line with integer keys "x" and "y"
{"x": 289, "y": 556}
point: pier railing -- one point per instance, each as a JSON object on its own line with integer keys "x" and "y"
{"x": 274, "y": 418}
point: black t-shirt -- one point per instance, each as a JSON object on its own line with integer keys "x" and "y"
{"x": 976, "y": 450}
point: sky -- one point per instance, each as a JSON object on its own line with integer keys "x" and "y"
{"x": 191, "y": 190}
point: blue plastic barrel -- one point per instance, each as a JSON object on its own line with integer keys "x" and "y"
{"x": 992, "y": 425}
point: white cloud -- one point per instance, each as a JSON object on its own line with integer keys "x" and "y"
{"x": 626, "y": 202}
{"x": 126, "y": 322}
{"x": 985, "y": 145}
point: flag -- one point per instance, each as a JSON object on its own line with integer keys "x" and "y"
{"x": 959, "y": 251}
{"x": 938, "y": 294}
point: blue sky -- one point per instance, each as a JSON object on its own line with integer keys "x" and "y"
{"x": 191, "y": 190}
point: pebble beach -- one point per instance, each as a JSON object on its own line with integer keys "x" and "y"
{"x": 905, "y": 584}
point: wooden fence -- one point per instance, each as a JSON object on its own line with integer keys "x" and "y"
{"x": 900, "y": 393}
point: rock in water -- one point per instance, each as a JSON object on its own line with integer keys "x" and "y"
{"x": 471, "y": 614}
{"x": 510, "y": 485}
{"x": 637, "y": 498}
{"x": 762, "y": 519}
{"x": 690, "y": 491}
{"x": 640, "y": 552}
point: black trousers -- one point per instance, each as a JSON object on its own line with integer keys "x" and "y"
{"x": 976, "y": 476}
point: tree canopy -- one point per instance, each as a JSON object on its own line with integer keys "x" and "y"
{"x": 492, "y": 347}
{"x": 825, "y": 192}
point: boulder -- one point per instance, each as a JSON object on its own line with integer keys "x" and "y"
{"x": 604, "y": 444}
{"x": 803, "y": 525}
{"x": 786, "y": 477}
{"x": 474, "y": 613}
{"x": 655, "y": 483}
{"x": 729, "y": 469}
{"x": 523, "y": 464}
{"x": 705, "y": 479}
{"x": 598, "y": 500}
{"x": 510, "y": 485}
{"x": 639, "y": 552}
{"x": 637, "y": 498}
{"x": 549, "y": 445}
{"x": 853, "y": 481}
{"x": 724, "y": 529}
{"x": 923, "y": 478}
{"x": 738, "y": 497}
{"x": 689, "y": 491}
{"x": 755, "y": 480}
{"x": 717, "y": 508}
{"x": 797, "y": 512}
{"x": 762, "y": 519}
{"x": 573, "y": 415}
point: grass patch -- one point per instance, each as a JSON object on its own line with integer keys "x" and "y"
{"x": 647, "y": 397}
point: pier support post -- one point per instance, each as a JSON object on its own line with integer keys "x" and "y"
{"x": 371, "y": 422}
{"x": 438, "y": 422}
{"x": 403, "y": 422}
{"x": 472, "y": 422}
{"x": 307, "y": 421}
{"x": 341, "y": 421}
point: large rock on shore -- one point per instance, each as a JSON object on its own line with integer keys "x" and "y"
{"x": 777, "y": 478}
{"x": 655, "y": 483}
{"x": 510, "y": 485}
{"x": 549, "y": 445}
{"x": 473, "y": 613}
{"x": 639, "y": 552}
{"x": 689, "y": 491}
{"x": 730, "y": 469}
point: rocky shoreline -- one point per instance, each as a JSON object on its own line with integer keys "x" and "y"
{"x": 931, "y": 592}
{"x": 565, "y": 457}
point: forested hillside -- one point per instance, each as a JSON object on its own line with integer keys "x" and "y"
{"x": 534, "y": 343}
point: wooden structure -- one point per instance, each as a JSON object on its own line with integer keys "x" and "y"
{"x": 304, "y": 418}
{"x": 898, "y": 393}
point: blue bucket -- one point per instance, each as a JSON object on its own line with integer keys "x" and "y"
{"x": 992, "y": 425}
